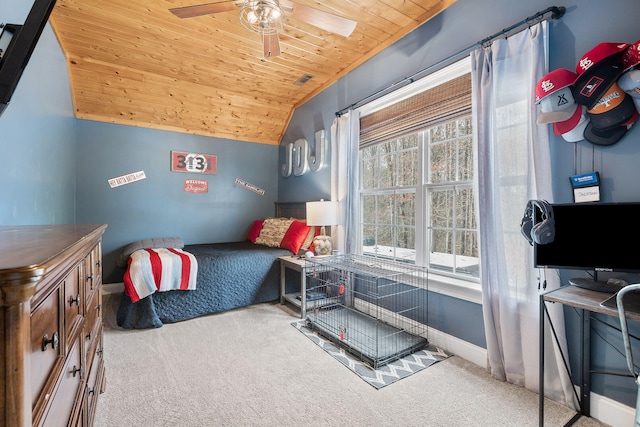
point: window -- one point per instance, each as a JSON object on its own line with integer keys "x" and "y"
{"x": 416, "y": 179}
{"x": 389, "y": 177}
{"x": 452, "y": 233}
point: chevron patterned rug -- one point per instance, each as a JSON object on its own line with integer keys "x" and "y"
{"x": 384, "y": 375}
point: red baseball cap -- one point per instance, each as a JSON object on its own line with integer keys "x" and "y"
{"x": 553, "y": 94}
{"x": 631, "y": 56}
{"x": 597, "y": 70}
{"x": 553, "y": 81}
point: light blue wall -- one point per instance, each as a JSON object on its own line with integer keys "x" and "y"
{"x": 158, "y": 206}
{"x": 457, "y": 28}
{"x": 37, "y": 136}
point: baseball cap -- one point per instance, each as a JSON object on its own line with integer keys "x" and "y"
{"x": 577, "y": 133}
{"x": 557, "y": 107}
{"x": 630, "y": 83}
{"x": 565, "y": 126}
{"x": 597, "y": 70}
{"x": 631, "y": 56}
{"x": 553, "y": 94}
{"x": 611, "y": 117}
{"x": 608, "y": 137}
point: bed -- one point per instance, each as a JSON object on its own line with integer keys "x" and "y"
{"x": 229, "y": 275}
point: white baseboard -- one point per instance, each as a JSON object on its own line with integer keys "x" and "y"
{"x": 463, "y": 349}
{"x": 611, "y": 412}
{"x": 112, "y": 288}
{"x": 604, "y": 409}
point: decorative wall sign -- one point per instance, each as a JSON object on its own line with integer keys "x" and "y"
{"x": 192, "y": 162}
{"x": 298, "y": 158}
{"x": 126, "y": 179}
{"x": 251, "y": 187}
{"x": 196, "y": 186}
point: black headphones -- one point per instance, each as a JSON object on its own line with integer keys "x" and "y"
{"x": 541, "y": 232}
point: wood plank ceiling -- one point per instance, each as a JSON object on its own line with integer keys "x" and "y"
{"x": 133, "y": 62}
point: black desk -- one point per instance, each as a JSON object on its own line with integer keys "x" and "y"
{"x": 587, "y": 302}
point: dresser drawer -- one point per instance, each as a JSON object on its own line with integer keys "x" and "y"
{"x": 92, "y": 330}
{"x": 72, "y": 299}
{"x": 65, "y": 409}
{"x": 92, "y": 271}
{"x": 46, "y": 340}
{"x": 96, "y": 262}
{"x": 95, "y": 379}
{"x": 92, "y": 313}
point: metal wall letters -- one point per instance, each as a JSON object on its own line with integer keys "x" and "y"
{"x": 299, "y": 158}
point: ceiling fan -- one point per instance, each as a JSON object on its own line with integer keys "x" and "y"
{"x": 266, "y": 17}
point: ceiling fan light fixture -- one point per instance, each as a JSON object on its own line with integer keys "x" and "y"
{"x": 262, "y": 16}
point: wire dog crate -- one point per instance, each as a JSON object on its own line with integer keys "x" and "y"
{"x": 375, "y": 309}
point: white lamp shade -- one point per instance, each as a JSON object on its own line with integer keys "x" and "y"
{"x": 322, "y": 213}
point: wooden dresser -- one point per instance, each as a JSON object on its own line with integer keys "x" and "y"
{"x": 51, "y": 366}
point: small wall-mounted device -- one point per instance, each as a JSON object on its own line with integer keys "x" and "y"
{"x": 586, "y": 187}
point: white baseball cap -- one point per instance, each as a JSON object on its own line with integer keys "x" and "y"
{"x": 577, "y": 132}
{"x": 557, "y": 107}
{"x": 630, "y": 83}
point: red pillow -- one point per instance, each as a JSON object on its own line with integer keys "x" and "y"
{"x": 295, "y": 235}
{"x": 254, "y": 231}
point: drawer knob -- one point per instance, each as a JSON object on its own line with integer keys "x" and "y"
{"x": 89, "y": 335}
{"x": 54, "y": 341}
{"x": 91, "y": 391}
{"x": 76, "y": 300}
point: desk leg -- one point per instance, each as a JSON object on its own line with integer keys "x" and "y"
{"x": 585, "y": 360}
{"x": 585, "y": 356}
{"x": 541, "y": 364}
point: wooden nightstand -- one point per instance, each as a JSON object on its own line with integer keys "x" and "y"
{"x": 297, "y": 298}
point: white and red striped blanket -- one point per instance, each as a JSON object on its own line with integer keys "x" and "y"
{"x": 161, "y": 269}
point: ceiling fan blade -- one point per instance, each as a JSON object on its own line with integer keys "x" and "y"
{"x": 318, "y": 18}
{"x": 270, "y": 45}
{"x": 204, "y": 9}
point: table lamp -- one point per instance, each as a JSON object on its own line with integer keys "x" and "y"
{"x": 322, "y": 214}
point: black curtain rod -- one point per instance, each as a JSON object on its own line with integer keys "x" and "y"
{"x": 556, "y": 13}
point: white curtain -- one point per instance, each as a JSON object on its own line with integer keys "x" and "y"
{"x": 513, "y": 166}
{"x": 345, "y": 138}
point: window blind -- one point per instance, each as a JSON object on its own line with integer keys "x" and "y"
{"x": 428, "y": 108}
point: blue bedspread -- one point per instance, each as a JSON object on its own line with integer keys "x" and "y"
{"x": 230, "y": 275}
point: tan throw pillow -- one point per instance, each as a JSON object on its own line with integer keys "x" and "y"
{"x": 273, "y": 230}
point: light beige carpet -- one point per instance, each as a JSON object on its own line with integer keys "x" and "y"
{"x": 249, "y": 367}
